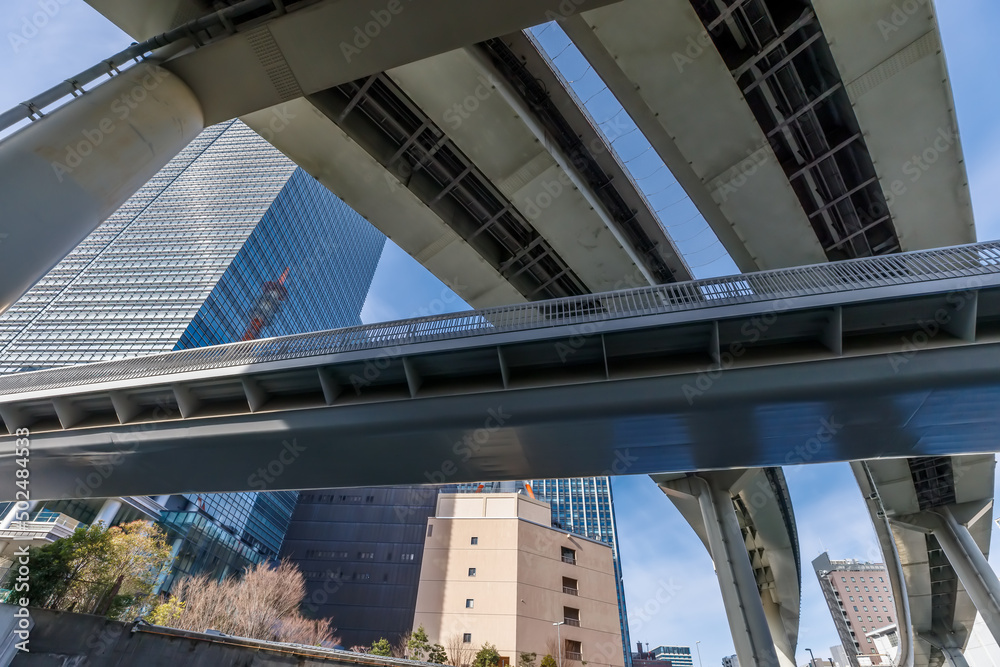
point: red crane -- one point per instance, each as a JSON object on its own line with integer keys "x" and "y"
{"x": 267, "y": 306}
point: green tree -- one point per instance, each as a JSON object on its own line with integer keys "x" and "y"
{"x": 418, "y": 645}
{"x": 487, "y": 656}
{"x": 549, "y": 661}
{"x": 437, "y": 654}
{"x": 527, "y": 659}
{"x": 56, "y": 567}
{"x": 99, "y": 571}
{"x": 167, "y": 613}
{"x": 381, "y": 647}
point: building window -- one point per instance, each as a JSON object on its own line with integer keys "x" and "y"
{"x": 570, "y": 586}
{"x": 469, "y": 603}
{"x": 888, "y": 619}
{"x": 571, "y": 616}
{"x": 855, "y": 608}
{"x": 866, "y": 590}
{"x": 475, "y": 540}
{"x": 852, "y": 598}
{"x": 865, "y": 608}
{"x": 870, "y": 641}
{"x": 472, "y": 571}
{"x": 854, "y": 580}
{"x": 406, "y": 557}
{"x": 467, "y": 638}
{"x": 366, "y": 555}
{"x": 843, "y": 578}
{"x": 869, "y": 619}
{"x": 568, "y": 555}
{"x": 879, "y": 619}
{"x": 574, "y": 650}
{"x": 859, "y": 619}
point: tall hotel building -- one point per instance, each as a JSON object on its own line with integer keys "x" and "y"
{"x": 229, "y": 241}
{"x": 860, "y": 601}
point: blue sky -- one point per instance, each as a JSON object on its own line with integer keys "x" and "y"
{"x": 41, "y": 48}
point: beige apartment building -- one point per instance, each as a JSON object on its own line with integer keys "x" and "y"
{"x": 494, "y": 570}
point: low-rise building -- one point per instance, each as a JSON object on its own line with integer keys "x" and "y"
{"x": 679, "y": 656}
{"x": 495, "y": 571}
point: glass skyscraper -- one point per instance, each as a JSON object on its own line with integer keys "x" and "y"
{"x": 230, "y": 241}
{"x": 585, "y": 506}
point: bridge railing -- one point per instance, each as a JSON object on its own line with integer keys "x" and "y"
{"x": 850, "y": 275}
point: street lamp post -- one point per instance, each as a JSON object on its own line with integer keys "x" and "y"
{"x": 559, "y": 651}
{"x": 697, "y": 646}
{"x": 812, "y": 658}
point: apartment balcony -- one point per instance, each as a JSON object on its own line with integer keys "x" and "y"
{"x": 44, "y": 528}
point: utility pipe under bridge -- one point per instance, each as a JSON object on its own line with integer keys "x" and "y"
{"x": 880, "y": 357}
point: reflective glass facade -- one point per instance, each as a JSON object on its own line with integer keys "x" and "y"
{"x": 133, "y": 286}
{"x": 229, "y": 241}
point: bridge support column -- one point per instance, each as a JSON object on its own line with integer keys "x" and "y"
{"x": 108, "y": 512}
{"x": 744, "y": 608}
{"x": 64, "y": 174}
{"x": 972, "y": 568}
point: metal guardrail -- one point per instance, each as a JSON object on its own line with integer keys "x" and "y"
{"x": 227, "y": 18}
{"x": 846, "y": 276}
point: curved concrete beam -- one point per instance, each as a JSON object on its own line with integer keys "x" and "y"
{"x": 65, "y": 173}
